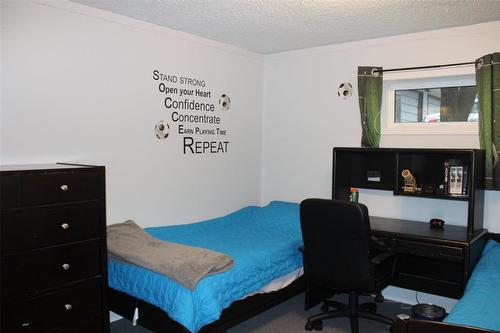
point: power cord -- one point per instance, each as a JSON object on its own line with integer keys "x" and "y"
{"x": 409, "y": 306}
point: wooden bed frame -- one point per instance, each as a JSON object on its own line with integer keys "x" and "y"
{"x": 417, "y": 326}
{"x": 155, "y": 319}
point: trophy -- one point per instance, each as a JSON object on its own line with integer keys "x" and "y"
{"x": 410, "y": 182}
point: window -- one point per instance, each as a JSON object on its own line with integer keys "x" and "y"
{"x": 434, "y": 103}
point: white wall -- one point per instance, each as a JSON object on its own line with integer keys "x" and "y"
{"x": 78, "y": 87}
{"x": 304, "y": 119}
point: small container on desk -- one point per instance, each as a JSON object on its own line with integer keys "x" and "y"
{"x": 354, "y": 195}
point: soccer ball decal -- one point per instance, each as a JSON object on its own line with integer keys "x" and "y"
{"x": 224, "y": 102}
{"x": 161, "y": 130}
{"x": 345, "y": 90}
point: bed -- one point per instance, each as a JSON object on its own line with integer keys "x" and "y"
{"x": 479, "y": 308}
{"x": 263, "y": 242}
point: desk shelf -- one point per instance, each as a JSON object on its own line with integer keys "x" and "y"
{"x": 433, "y": 196}
{"x": 352, "y": 167}
{"x": 370, "y": 186}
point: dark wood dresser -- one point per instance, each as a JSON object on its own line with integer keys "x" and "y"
{"x": 53, "y": 249}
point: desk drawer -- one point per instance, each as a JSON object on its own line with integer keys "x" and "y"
{"x": 52, "y": 312}
{"x": 40, "y": 189}
{"x": 448, "y": 253}
{"x": 52, "y": 268}
{"x": 429, "y": 285}
{"x": 31, "y": 228}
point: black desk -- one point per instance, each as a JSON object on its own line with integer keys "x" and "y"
{"x": 430, "y": 260}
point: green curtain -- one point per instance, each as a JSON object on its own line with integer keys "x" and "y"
{"x": 370, "y": 102}
{"x": 488, "y": 93}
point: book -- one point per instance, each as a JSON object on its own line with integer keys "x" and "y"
{"x": 456, "y": 181}
{"x": 453, "y": 179}
{"x": 465, "y": 179}
{"x": 446, "y": 165}
{"x": 459, "y": 182}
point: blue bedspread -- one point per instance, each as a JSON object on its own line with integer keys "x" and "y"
{"x": 480, "y": 305}
{"x": 263, "y": 243}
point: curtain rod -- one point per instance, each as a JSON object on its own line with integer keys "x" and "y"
{"x": 424, "y": 67}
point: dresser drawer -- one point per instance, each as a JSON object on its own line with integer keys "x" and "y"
{"x": 94, "y": 326}
{"x": 52, "y": 268}
{"x": 31, "y": 228}
{"x": 49, "y": 188}
{"x": 85, "y": 326}
{"x": 52, "y": 312}
{"x": 9, "y": 194}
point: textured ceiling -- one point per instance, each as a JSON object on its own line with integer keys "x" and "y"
{"x": 269, "y": 26}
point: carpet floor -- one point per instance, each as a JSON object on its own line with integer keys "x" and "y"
{"x": 290, "y": 317}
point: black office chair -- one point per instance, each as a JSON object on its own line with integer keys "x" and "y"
{"x": 339, "y": 255}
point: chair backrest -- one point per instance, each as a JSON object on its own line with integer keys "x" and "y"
{"x": 336, "y": 237}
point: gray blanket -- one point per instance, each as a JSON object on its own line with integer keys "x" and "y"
{"x": 185, "y": 264}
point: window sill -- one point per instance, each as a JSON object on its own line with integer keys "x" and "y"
{"x": 432, "y": 129}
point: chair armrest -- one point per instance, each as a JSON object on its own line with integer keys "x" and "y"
{"x": 380, "y": 245}
{"x": 381, "y": 257}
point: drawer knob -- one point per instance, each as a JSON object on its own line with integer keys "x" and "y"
{"x": 65, "y": 226}
{"x": 67, "y": 307}
{"x": 26, "y": 324}
{"x": 64, "y": 188}
{"x": 65, "y": 267}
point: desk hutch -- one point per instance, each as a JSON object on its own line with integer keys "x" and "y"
{"x": 432, "y": 260}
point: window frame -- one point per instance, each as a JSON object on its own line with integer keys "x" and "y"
{"x": 418, "y": 80}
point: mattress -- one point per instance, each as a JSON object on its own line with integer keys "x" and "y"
{"x": 278, "y": 283}
{"x": 263, "y": 242}
{"x": 480, "y": 305}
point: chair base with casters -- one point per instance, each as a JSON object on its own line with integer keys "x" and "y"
{"x": 370, "y": 306}
{"x": 353, "y": 311}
